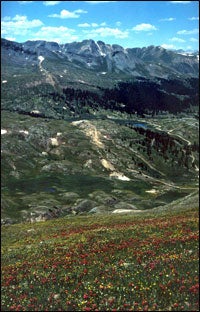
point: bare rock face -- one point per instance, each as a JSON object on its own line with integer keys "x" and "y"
{"x": 125, "y": 205}
{"x": 84, "y": 206}
{"x": 152, "y": 61}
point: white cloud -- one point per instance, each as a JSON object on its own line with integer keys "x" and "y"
{"x": 24, "y": 2}
{"x": 180, "y": 2}
{"x": 10, "y": 38}
{"x": 175, "y": 39}
{"x": 98, "y": 2}
{"x": 85, "y": 25}
{"x": 80, "y": 11}
{"x": 193, "y": 18}
{"x": 58, "y": 34}
{"x": 118, "y": 23}
{"x": 193, "y": 40}
{"x": 168, "y": 46}
{"x": 169, "y": 19}
{"x": 7, "y": 18}
{"x": 144, "y": 27}
{"x": 20, "y": 18}
{"x": 18, "y": 25}
{"x": 188, "y": 32}
{"x": 51, "y": 3}
{"x": 68, "y": 14}
{"x": 106, "y": 32}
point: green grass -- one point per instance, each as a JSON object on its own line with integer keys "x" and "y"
{"x": 102, "y": 263}
{"x": 27, "y": 173}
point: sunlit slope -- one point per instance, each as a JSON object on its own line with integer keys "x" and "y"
{"x": 102, "y": 263}
{"x": 57, "y": 167}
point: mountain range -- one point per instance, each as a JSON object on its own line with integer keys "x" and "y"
{"x": 149, "y": 61}
{"x": 137, "y": 80}
{"x": 99, "y": 144}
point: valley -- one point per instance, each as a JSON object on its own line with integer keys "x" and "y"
{"x": 99, "y": 156}
{"x": 83, "y": 131}
{"x": 51, "y": 168}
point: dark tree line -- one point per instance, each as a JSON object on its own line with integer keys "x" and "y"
{"x": 141, "y": 96}
{"x": 166, "y": 146}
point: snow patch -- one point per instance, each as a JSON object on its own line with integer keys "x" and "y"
{"x": 125, "y": 210}
{"x": 24, "y": 131}
{"x": 3, "y": 131}
{"x": 100, "y": 51}
{"x": 119, "y": 176}
{"x": 54, "y": 142}
{"x": 35, "y": 112}
{"x": 78, "y": 122}
{"x": 41, "y": 58}
{"x": 4, "y": 81}
{"x": 81, "y": 81}
{"x": 153, "y": 191}
{"x": 44, "y": 153}
{"x": 186, "y": 53}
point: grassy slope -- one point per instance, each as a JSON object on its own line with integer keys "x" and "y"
{"x": 30, "y": 165}
{"x": 115, "y": 262}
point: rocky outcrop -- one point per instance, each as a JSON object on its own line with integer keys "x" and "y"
{"x": 84, "y": 206}
{"x": 149, "y": 61}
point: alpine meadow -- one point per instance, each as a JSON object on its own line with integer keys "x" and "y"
{"x": 99, "y": 156}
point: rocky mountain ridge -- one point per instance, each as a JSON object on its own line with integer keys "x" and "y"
{"x": 152, "y": 61}
{"x": 78, "y": 78}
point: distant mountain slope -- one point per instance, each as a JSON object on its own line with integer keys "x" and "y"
{"x": 149, "y": 62}
{"x": 71, "y": 79}
{"x": 72, "y": 137}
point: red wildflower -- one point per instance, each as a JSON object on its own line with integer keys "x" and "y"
{"x": 85, "y": 296}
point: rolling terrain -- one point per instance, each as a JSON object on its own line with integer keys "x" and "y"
{"x": 93, "y": 128}
{"x": 101, "y": 143}
{"x": 131, "y": 262}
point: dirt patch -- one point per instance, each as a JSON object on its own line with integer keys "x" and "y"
{"x": 106, "y": 164}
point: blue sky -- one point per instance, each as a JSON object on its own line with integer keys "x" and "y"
{"x": 170, "y": 24}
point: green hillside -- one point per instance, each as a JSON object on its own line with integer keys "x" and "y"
{"x": 53, "y": 168}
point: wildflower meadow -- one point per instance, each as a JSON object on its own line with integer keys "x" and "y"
{"x": 130, "y": 262}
